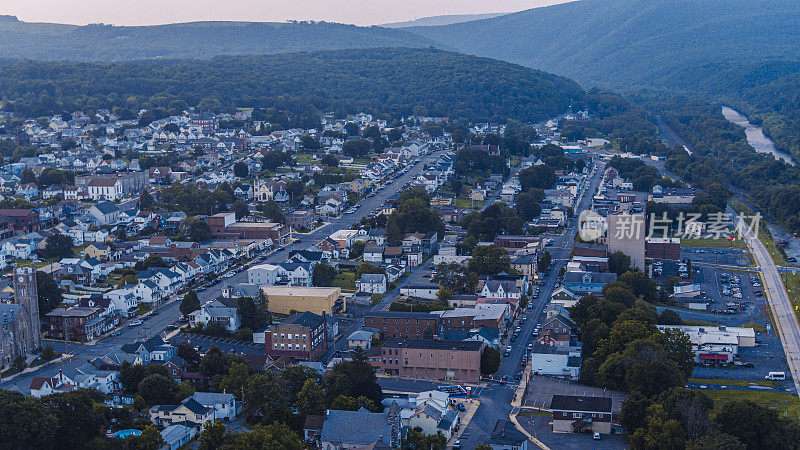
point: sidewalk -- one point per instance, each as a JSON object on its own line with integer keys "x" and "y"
{"x": 35, "y": 368}
{"x": 472, "y": 406}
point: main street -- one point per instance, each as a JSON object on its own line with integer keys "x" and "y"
{"x": 496, "y": 398}
{"x": 168, "y": 313}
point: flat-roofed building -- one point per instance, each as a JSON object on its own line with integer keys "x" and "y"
{"x": 401, "y": 324}
{"x": 716, "y": 343}
{"x": 581, "y": 414}
{"x": 300, "y": 336}
{"x": 434, "y": 360}
{"x": 290, "y": 299}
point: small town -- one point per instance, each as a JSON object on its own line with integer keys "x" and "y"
{"x": 411, "y": 225}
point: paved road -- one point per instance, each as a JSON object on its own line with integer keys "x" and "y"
{"x": 496, "y": 399}
{"x": 169, "y": 312}
{"x": 782, "y": 308}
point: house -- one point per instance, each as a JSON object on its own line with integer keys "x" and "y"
{"x": 224, "y": 406}
{"x": 222, "y": 312}
{"x": 373, "y": 283}
{"x": 506, "y": 436}
{"x": 564, "y": 297}
{"x": 100, "y": 251}
{"x": 373, "y": 254}
{"x": 500, "y": 290}
{"x": 42, "y": 386}
{"x": 104, "y": 213}
{"x": 580, "y": 414}
{"x": 362, "y": 338}
{"x": 360, "y": 430}
{"x": 189, "y": 413}
{"x": 312, "y": 428}
{"x": 584, "y": 283}
{"x": 434, "y": 418}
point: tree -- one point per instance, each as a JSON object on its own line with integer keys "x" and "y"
{"x": 309, "y": 142}
{"x": 619, "y": 262}
{"x": 653, "y": 377}
{"x": 330, "y": 160}
{"x": 345, "y": 403}
{"x": 537, "y": 177}
{"x": 417, "y": 439}
{"x": 146, "y": 202}
{"x": 716, "y": 441}
{"x": 150, "y": 439}
{"x": 274, "y": 159}
{"x": 324, "y": 274}
{"x": 527, "y": 205}
{"x": 272, "y": 210}
{"x": 489, "y": 260}
{"x": 240, "y": 208}
{"x": 757, "y": 426}
{"x": 27, "y": 176}
{"x": 265, "y": 399}
{"x": 274, "y": 436}
{"x": 311, "y": 398}
{"x": 26, "y": 422}
{"x": 157, "y": 388}
{"x": 351, "y": 128}
{"x": 357, "y": 249}
{"x": 190, "y": 303}
{"x": 634, "y": 412}
{"x": 50, "y": 294}
{"x": 195, "y": 229}
{"x": 78, "y": 414}
{"x": 214, "y": 363}
{"x": 354, "y": 378}
{"x": 57, "y": 246}
{"x": 240, "y": 170}
{"x": 357, "y": 148}
{"x": 660, "y": 432}
{"x": 544, "y": 261}
{"x": 214, "y": 436}
{"x": 236, "y": 379}
{"x": 490, "y": 361}
{"x": 253, "y": 316}
{"x": 366, "y": 267}
{"x": 138, "y": 403}
{"x": 450, "y": 276}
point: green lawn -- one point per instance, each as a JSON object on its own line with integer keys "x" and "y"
{"x": 465, "y": 202}
{"x": 714, "y": 243}
{"x": 730, "y": 382}
{"x": 792, "y": 283}
{"x": 782, "y": 401}
{"x": 345, "y": 280}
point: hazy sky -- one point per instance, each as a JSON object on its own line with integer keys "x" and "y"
{"x": 148, "y": 12}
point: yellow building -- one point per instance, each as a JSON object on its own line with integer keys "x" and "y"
{"x": 318, "y": 300}
{"x": 99, "y": 251}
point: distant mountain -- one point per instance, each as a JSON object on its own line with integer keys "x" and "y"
{"x": 633, "y": 43}
{"x": 49, "y": 41}
{"x": 441, "y": 20}
{"x": 387, "y": 81}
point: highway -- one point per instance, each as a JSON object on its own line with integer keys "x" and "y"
{"x": 782, "y": 309}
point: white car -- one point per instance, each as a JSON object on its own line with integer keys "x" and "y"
{"x": 135, "y": 323}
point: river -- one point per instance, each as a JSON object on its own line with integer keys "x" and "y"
{"x": 755, "y": 135}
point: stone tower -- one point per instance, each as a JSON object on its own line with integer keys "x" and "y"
{"x": 26, "y": 295}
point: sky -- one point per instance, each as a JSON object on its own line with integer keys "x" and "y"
{"x": 151, "y": 12}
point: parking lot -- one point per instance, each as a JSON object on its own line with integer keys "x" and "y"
{"x": 203, "y": 343}
{"x": 734, "y": 304}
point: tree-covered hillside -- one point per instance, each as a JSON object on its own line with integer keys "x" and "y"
{"x": 388, "y": 81}
{"x": 624, "y": 43}
{"x": 46, "y": 41}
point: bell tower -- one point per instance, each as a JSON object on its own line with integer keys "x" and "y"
{"x": 27, "y": 296}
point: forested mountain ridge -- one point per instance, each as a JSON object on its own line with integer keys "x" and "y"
{"x": 56, "y": 42}
{"x": 632, "y": 43}
{"x": 384, "y": 80}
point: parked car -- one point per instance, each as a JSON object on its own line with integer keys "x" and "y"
{"x": 135, "y": 323}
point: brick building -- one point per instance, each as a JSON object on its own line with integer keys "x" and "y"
{"x": 300, "y": 336}
{"x": 225, "y": 226}
{"x": 22, "y": 220}
{"x": 81, "y": 323}
{"x": 398, "y": 324}
{"x": 434, "y": 360}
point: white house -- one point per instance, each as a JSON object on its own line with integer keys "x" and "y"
{"x": 221, "y": 311}
{"x": 104, "y": 189}
{"x": 372, "y": 283}
{"x": 224, "y": 406}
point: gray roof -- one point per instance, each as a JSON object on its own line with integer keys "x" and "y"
{"x": 356, "y": 427}
{"x": 106, "y": 207}
{"x": 595, "y": 277}
{"x": 372, "y": 278}
{"x": 212, "y": 398}
{"x": 306, "y": 319}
